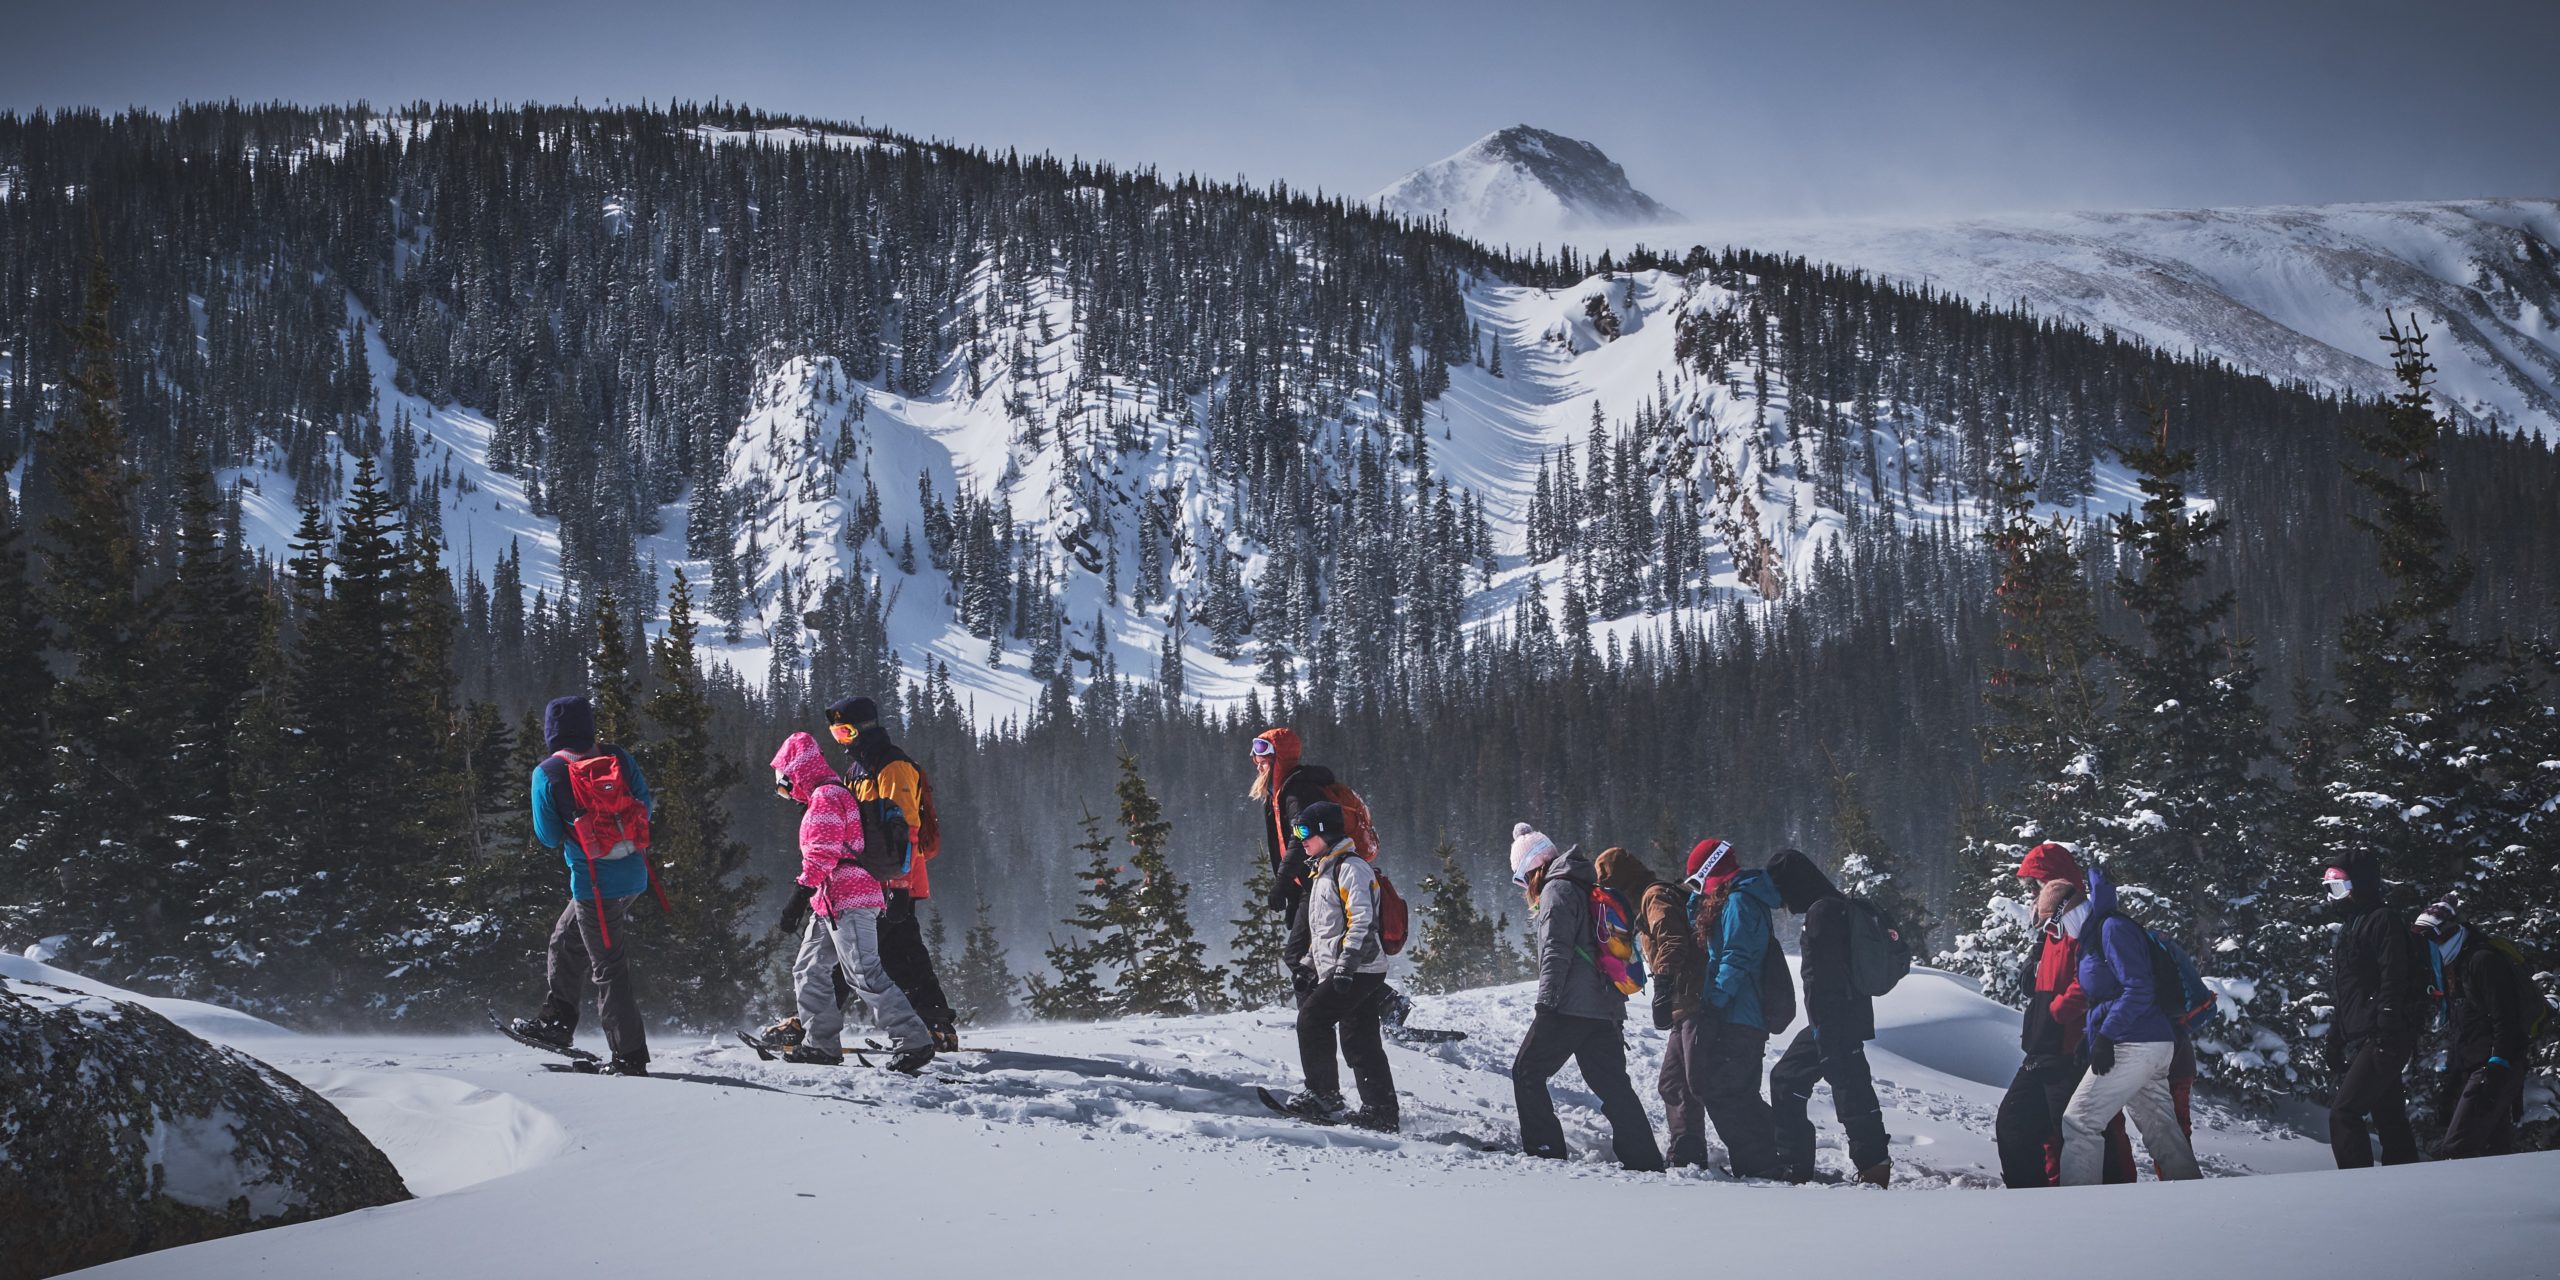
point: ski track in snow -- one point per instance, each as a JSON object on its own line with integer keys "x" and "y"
{"x": 1136, "y": 1148}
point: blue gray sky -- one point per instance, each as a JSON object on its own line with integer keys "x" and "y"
{"x": 1724, "y": 110}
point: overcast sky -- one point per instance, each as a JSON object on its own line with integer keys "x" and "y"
{"x": 1724, "y": 110}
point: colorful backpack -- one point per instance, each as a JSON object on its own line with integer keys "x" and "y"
{"x": 1613, "y": 927}
{"x": 886, "y": 850}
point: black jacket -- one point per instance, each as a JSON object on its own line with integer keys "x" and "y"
{"x": 1840, "y": 1010}
{"x": 2375, "y": 974}
{"x": 2484, "y": 1007}
{"x": 1304, "y": 786}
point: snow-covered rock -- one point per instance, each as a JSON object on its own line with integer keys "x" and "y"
{"x": 122, "y": 1133}
{"x": 1524, "y": 184}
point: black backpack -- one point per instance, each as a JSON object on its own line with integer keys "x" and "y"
{"x": 1879, "y": 956}
{"x": 886, "y": 850}
{"x": 1777, "y": 987}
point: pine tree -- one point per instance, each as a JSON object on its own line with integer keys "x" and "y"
{"x": 611, "y": 687}
{"x": 1085, "y": 964}
{"x": 982, "y": 982}
{"x": 26, "y": 683}
{"x": 700, "y": 866}
{"x": 1168, "y": 972}
{"x": 1459, "y": 948}
{"x": 1868, "y": 870}
{"x": 1257, "y": 973}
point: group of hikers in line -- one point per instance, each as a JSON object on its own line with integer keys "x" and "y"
{"x": 2106, "y": 1032}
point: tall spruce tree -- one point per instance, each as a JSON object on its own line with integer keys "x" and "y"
{"x": 982, "y": 981}
{"x": 1257, "y": 975}
{"x": 26, "y": 683}
{"x": 699, "y": 865}
{"x": 1168, "y": 972}
{"x": 1459, "y": 948}
{"x": 1098, "y": 951}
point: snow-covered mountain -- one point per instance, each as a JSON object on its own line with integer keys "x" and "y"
{"x": 1136, "y": 1148}
{"x": 1525, "y": 184}
{"x": 2296, "y": 293}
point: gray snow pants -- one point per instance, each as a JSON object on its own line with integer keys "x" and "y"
{"x": 578, "y": 959}
{"x": 850, "y": 943}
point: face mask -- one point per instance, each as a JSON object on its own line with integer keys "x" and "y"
{"x": 2072, "y": 919}
{"x": 2448, "y": 948}
{"x": 2340, "y": 888}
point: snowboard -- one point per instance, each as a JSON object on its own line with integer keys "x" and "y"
{"x": 579, "y": 1059}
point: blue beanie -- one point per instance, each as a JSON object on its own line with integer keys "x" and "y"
{"x": 569, "y": 724}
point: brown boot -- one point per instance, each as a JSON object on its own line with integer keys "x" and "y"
{"x": 1878, "y": 1174}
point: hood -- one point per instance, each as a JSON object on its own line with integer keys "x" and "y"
{"x": 1756, "y": 883}
{"x": 2365, "y": 869}
{"x": 2102, "y": 897}
{"x": 1574, "y": 865}
{"x": 569, "y": 724}
{"x": 1284, "y": 753}
{"x": 801, "y": 760}
{"x": 1623, "y": 871}
{"x": 2052, "y": 860}
{"x": 1800, "y": 883}
{"x": 873, "y": 750}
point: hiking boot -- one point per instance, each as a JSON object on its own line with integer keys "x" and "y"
{"x": 946, "y": 1037}
{"x": 782, "y": 1035}
{"x": 557, "y": 1034}
{"x": 1878, "y": 1174}
{"x": 912, "y": 1062}
{"x": 627, "y": 1067}
{"x": 1323, "y": 1108}
{"x": 819, "y": 1054}
{"x": 1374, "y": 1119}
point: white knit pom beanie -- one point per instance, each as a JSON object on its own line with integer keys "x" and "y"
{"x": 1530, "y": 850}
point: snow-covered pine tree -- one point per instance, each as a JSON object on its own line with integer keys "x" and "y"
{"x": 1256, "y": 973}
{"x": 2190, "y": 824}
{"x": 2045, "y": 700}
{"x": 707, "y": 963}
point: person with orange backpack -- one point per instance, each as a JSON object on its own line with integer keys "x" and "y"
{"x": 1585, "y": 941}
{"x": 591, "y": 803}
{"x": 884, "y": 774}
{"x": 1283, "y": 788}
{"x": 1347, "y": 959}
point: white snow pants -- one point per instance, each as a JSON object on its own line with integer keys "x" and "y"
{"x": 2138, "y": 1086}
{"x": 851, "y": 942}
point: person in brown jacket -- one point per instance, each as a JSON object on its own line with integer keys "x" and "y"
{"x": 1677, "y": 962}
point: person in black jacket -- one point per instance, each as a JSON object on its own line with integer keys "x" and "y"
{"x": 2480, "y": 996}
{"x": 2373, "y": 1029}
{"x": 1833, "y": 1046}
{"x": 1283, "y": 788}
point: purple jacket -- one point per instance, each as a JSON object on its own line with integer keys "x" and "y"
{"x": 2115, "y": 969}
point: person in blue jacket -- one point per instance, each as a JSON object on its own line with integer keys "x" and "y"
{"x": 1729, "y": 1039}
{"x": 2130, "y": 1043}
{"x": 587, "y": 942}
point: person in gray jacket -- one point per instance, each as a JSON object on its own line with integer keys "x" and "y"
{"x": 1350, "y": 964}
{"x": 1581, "y": 1014}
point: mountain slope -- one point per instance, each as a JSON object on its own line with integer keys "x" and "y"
{"x": 2296, "y": 293}
{"x": 1523, "y": 184}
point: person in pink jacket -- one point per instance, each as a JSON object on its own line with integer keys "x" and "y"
{"x": 844, "y": 918}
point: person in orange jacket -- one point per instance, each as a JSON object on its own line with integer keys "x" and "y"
{"x": 883, "y": 772}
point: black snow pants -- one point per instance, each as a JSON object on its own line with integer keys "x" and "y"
{"x": 1354, "y": 1014}
{"x": 1853, "y": 1098}
{"x": 1711, "y": 1071}
{"x": 2483, "y": 1109}
{"x": 1599, "y": 1047}
{"x": 910, "y": 965}
{"x": 2370, "y": 1093}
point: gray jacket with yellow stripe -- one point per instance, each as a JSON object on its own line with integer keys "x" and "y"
{"x": 1342, "y": 916}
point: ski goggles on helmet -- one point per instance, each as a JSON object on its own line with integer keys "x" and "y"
{"x": 1264, "y": 749}
{"x": 844, "y": 733}
{"x": 782, "y": 785}
{"x": 1299, "y": 829}
{"x": 2338, "y": 883}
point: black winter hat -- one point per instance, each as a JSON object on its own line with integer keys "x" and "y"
{"x": 569, "y": 724}
{"x": 861, "y": 713}
{"x": 1799, "y": 881}
{"x": 1323, "y": 818}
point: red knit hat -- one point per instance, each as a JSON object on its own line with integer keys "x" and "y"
{"x": 1712, "y": 863}
{"x": 2052, "y": 861}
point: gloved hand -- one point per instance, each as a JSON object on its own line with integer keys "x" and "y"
{"x": 1343, "y": 980}
{"x": 795, "y": 911}
{"x": 1663, "y": 1004}
{"x": 2333, "y": 1047}
{"x": 2102, "y": 1054}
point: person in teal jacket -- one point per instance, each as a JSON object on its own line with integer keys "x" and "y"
{"x": 588, "y": 941}
{"x": 1729, "y": 907}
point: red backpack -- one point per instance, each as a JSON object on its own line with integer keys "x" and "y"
{"x": 1394, "y": 922}
{"x": 609, "y": 818}
{"x": 1355, "y": 822}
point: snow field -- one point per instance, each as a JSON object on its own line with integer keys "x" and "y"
{"x": 1135, "y": 1148}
